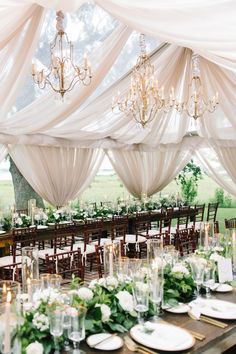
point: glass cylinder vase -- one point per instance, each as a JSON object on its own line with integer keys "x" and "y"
{"x": 155, "y": 252}
{"x": 111, "y": 255}
{"x": 30, "y": 266}
{"x": 206, "y": 234}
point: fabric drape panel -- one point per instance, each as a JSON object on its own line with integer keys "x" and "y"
{"x": 13, "y": 15}
{"x": 148, "y": 171}
{"x": 3, "y": 152}
{"x": 57, "y": 174}
{"x": 213, "y": 167}
{"x": 15, "y": 60}
{"x": 44, "y": 111}
{"x": 205, "y": 25}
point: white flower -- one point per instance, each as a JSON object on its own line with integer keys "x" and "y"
{"x": 19, "y": 221}
{"x": 125, "y": 300}
{"x": 218, "y": 249}
{"x": 215, "y": 257}
{"x": 40, "y": 321}
{"x": 93, "y": 284}
{"x": 56, "y": 216}
{"x": 85, "y": 294}
{"x": 34, "y": 348}
{"x": 180, "y": 268}
{"x": 111, "y": 283}
{"x": 106, "y": 312}
{"x": 37, "y": 217}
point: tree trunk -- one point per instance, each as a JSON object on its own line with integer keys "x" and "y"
{"x": 22, "y": 189}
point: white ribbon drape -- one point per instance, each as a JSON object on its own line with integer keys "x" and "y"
{"x": 57, "y": 174}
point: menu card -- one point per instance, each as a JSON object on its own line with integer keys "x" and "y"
{"x": 225, "y": 271}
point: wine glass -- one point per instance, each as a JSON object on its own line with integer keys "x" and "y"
{"x": 56, "y": 318}
{"x": 76, "y": 329}
{"x": 197, "y": 268}
{"x": 209, "y": 278}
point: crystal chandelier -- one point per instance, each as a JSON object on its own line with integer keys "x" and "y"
{"x": 63, "y": 74}
{"x": 144, "y": 98}
{"x": 197, "y": 102}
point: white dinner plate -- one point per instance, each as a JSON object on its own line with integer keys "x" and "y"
{"x": 51, "y": 223}
{"x": 111, "y": 343}
{"x": 216, "y": 308}
{"x": 180, "y": 308}
{"x": 223, "y": 288}
{"x": 2, "y": 232}
{"x": 161, "y": 336}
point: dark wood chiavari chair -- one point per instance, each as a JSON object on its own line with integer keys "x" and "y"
{"x": 186, "y": 241}
{"x": 212, "y": 211}
{"x": 65, "y": 264}
{"x": 230, "y": 223}
{"x": 10, "y": 271}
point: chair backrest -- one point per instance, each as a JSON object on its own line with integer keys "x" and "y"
{"x": 200, "y": 210}
{"x": 142, "y": 222}
{"x": 65, "y": 264}
{"x": 22, "y": 211}
{"x": 22, "y": 237}
{"x": 93, "y": 230}
{"x": 183, "y": 217}
{"x": 11, "y": 272}
{"x": 230, "y": 223}
{"x": 119, "y": 226}
{"x": 166, "y": 219}
{"x": 186, "y": 241}
{"x": 212, "y": 211}
{"x": 64, "y": 235}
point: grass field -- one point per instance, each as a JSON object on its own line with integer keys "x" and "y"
{"x": 110, "y": 187}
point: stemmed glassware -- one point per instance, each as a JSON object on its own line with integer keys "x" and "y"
{"x": 56, "y": 318}
{"x": 140, "y": 288}
{"x": 197, "y": 267}
{"x": 76, "y": 329}
{"x": 209, "y": 278}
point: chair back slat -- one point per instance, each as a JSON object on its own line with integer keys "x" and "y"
{"x": 212, "y": 211}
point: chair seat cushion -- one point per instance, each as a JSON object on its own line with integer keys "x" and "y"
{"x": 8, "y": 260}
{"x": 49, "y": 251}
{"x": 131, "y": 238}
{"x": 150, "y": 233}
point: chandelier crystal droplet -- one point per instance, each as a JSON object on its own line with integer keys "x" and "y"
{"x": 63, "y": 74}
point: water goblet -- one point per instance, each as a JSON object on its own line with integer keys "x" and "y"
{"x": 209, "y": 278}
{"x": 56, "y": 326}
{"x": 76, "y": 329}
{"x": 197, "y": 268}
{"x": 140, "y": 288}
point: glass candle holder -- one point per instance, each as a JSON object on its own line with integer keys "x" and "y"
{"x": 206, "y": 234}
{"x": 111, "y": 255}
{"x": 30, "y": 266}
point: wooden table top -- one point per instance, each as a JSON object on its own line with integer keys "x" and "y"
{"x": 217, "y": 340}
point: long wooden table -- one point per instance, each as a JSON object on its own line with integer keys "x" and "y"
{"x": 217, "y": 340}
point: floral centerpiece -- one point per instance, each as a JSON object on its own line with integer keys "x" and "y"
{"x": 178, "y": 284}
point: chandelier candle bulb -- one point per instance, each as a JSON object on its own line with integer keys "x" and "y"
{"x": 7, "y": 335}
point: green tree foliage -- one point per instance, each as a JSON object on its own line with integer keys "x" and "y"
{"x": 219, "y": 196}
{"x": 188, "y": 180}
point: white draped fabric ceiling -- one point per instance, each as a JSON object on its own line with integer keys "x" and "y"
{"x": 85, "y": 126}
